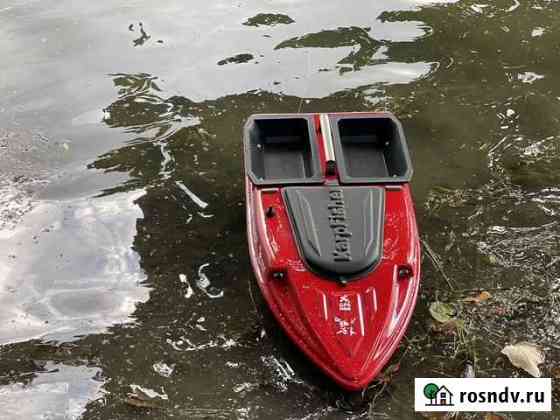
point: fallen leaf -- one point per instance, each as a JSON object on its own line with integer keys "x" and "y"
{"x": 525, "y": 356}
{"x": 492, "y": 416}
{"x": 555, "y": 372}
{"x": 442, "y": 312}
{"x": 138, "y": 402}
{"x": 477, "y": 299}
{"x": 145, "y": 397}
{"x": 147, "y": 393}
{"x": 436, "y": 416}
{"x": 469, "y": 371}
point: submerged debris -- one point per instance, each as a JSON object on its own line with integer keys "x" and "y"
{"x": 492, "y": 416}
{"x": 163, "y": 369}
{"x": 183, "y": 279}
{"x": 236, "y": 59}
{"x": 442, "y": 312}
{"x": 203, "y": 283}
{"x": 134, "y": 401}
{"x": 145, "y": 398}
{"x": 450, "y": 327}
{"x": 281, "y": 372}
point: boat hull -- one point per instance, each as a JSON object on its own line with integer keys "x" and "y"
{"x": 307, "y": 305}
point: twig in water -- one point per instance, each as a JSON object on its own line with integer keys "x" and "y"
{"x": 437, "y": 263}
{"x": 483, "y": 289}
{"x": 251, "y": 296}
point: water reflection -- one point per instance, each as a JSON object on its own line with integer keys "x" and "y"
{"x": 57, "y": 391}
{"x": 341, "y": 37}
{"x": 143, "y": 35}
{"x": 191, "y": 243}
{"x": 154, "y": 275}
{"x": 268, "y": 19}
{"x": 73, "y": 271}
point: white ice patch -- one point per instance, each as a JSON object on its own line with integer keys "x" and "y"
{"x": 185, "y": 344}
{"x": 195, "y": 199}
{"x": 183, "y": 279}
{"x": 163, "y": 369}
{"x": 282, "y": 371}
{"x": 148, "y": 393}
{"x": 537, "y": 32}
{"x": 478, "y": 8}
{"x": 514, "y": 6}
{"x": 529, "y": 77}
{"x": 203, "y": 283}
{"x": 245, "y": 387}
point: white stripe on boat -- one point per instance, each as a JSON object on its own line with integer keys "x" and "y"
{"x": 325, "y": 307}
{"x": 327, "y": 137}
{"x": 361, "y": 314}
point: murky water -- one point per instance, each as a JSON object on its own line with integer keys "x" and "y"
{"x": 123, "y": 258}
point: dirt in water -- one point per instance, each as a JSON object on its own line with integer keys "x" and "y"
{"x": 125, "y": 285}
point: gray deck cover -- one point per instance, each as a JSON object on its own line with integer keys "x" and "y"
{"x": 339, "y": 230}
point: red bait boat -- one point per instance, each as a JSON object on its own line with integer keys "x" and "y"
{"x": 332, "y": 235}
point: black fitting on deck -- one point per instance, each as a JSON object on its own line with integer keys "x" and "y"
{"x": 405, "y": 272}
{"x": 278, "y": 275}
{"x": 270, "y": 212}
{"x": 331, "y": 168}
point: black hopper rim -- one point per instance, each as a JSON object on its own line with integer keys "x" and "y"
{"x": 370, "y": 149}
{"x": 281, "y": 150}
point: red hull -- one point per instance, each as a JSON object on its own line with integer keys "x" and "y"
{"x": 350, "y": 331}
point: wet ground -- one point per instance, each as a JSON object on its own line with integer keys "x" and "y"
{"x": 123, "y": 258}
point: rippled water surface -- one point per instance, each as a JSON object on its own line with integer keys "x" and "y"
{"x": 123, "y": 257}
